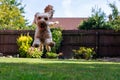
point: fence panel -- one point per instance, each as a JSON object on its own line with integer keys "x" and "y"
{"x": 109, "y": 44}
{"x": 74, "y": 39}
{"x": 105, "y": 42}
{"x": 8, "y": 45}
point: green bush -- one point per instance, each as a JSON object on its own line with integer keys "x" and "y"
{"x": 25, "y": 49}
{"x": 116, "y": 24}
{"x": 24, "y": 43}
{"x": 51, "y": 55}
{"x": 34, "y": 53}
{"x": 57, "y": 38}
{"x": 84, "y": 53}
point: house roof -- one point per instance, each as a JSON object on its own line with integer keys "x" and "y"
{"x": 68, "y": 23}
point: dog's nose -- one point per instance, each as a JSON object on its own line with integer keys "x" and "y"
{"x": 42, "y": 24}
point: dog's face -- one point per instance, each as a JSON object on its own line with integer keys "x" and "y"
{"x": 41, "y": 20}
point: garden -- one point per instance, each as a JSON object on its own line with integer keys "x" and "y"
{"x": 33, "y": 64}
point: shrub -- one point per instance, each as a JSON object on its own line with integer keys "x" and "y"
{"x": 24, "y": 43}
{"x": 34, "y": 53}
{"x": 51, "y": 55}
{"x": 116, "y": 24}
{"x": 84, "y": 53}
{"x": 24, "y": 40}
{"x": 57, "y": 38}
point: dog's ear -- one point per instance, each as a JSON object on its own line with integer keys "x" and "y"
{"x": 35, "y": 16}
{"x": 49, "y": 9}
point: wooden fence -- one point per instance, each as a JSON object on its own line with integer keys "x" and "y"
{"x": 105, "y": 42}
{"x": 8, "y": 45}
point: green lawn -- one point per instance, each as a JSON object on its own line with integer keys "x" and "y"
{"x": 49, "y": 69}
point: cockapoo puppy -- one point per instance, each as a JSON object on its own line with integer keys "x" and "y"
{"x": 43, "y": 35}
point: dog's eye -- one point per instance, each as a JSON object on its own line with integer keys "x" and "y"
{"x": 46, "y": 18}
{"x": 39, "y": 17}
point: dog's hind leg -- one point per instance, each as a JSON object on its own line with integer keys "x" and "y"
{"x": 41, "y": 47}
{"x": 48, "y": 48}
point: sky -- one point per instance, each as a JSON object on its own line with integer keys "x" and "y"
{"x": 67, "y": 8}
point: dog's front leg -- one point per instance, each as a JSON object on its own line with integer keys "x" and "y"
{"x": 49, "y": 43}
{"x": 36, "y": 42}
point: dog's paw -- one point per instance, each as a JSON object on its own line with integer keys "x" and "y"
{"x": 36, "y": 45}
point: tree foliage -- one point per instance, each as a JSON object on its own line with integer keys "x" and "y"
{"x": 115, "y": 11}
{"x": 11, "y": 15}
{"x": 114, "y": 18}
{"x": 98, "y": 20}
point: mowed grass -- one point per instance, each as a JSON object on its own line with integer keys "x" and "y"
{"x": 49, "y": 69}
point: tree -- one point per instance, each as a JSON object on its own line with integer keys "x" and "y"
{"x": 115, "y": 11}
{"x": 96, "y": 21}
{"x": 11, "y": 15}
{"x": 114, "y": 18}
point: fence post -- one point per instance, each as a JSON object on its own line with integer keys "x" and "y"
{"x": 97, "y": 44}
